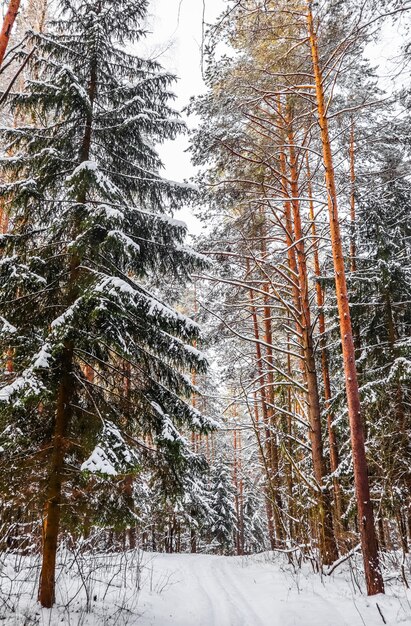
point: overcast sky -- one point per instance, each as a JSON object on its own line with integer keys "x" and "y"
{"x": 175, "y": 34}
{"x": 176, "y": 27}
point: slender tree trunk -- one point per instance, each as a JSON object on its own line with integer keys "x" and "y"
{"x": 293, "y": 525}
{"x": 332, "y": 438}
{"x": 271, "y": 451}
{"x": 269, "y": 415}
{"x": 296, "y": 254}
{"x": 194, "y": 437}
{"x": 373, "y": 576}
{"x": 51, "y": 522}
{"x": 235, "y": 482}
{"x": 240, "y": 545}
{"x": 37, "y": 12}
{"x": 402, "y": 530}
{"x": 193, "y": 540}
{"x": 7, "y": 26}
{"x": 128, "y": 482}
{"x": 268, "y": 487}
{"x": 381, "y": 532}
{"x": 271, "y": 420}
{"x": 353, "y": 248}
{"x": 328, "y": 545}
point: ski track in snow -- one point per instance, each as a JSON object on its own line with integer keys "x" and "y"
{"x": 212, "y": 598}
{"x": 150, "y": 589}
{"x": 228, "y": 604}
{"x": 207, "y": 590}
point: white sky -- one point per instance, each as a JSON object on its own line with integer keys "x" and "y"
{"x": 175, "y": 34}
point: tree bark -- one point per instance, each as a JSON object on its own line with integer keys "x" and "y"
{"x": 51, "y": 521}
{"x": 268, "y": 487}
{"x": 270, "y": 446}
{"x": 373, "y": 576}
{"x": 7, "y": 26}
{"x": 332, "y": 438}
{"x": 271, "y": 419}
{"x": 353, "y": 248}
{"x": 328, "y": 545}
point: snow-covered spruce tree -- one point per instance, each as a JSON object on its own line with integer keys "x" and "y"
{"x": 222, "y": 502}
{"x": 195, "y": 509}
{"x": 179, "y": 520}
{"x": 253, "y": 517}
{"x": 83, "y": 264}
{"x": 381, "y": 289}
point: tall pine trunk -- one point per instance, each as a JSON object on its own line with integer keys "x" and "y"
{"x": 271, "y": 421}
{"x": 332, "y": 438}
{"x": 7, "y": 26}
{"x": 353, "y": 248}
{"x": 265, "y": 450}
{"x": 373, "y": 576}
{"x": 328, "y": 545}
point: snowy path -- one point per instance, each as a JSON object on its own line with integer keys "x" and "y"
{"x": 193, "y": 590}
{"x": 204, "y": 590}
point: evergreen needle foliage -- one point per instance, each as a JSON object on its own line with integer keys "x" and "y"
{"x": 91, "y": 243}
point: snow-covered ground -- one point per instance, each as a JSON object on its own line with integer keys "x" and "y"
{"x": 208, "y": 590}
{"x": 195, "y": 590}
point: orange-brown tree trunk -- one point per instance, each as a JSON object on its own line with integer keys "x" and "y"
{"x": 369, "y": 546}
{"x": 328, "y": 545}
{"x": 240, "y": 518}
{"x": 263, "y": 460}
{"x": 271, "y": 420}
{"x": 271, "y": 424}
{"x": 7, "y": 26}
{"x": 353, "y": 248}
{"x": 332, "y": 438}
{"x": 273, "y": 514}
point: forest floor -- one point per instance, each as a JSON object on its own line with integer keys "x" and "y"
{"x": 195, "y": 590}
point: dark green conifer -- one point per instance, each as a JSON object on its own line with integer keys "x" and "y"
{"x": 97, "y": 357}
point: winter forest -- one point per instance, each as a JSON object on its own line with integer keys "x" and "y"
{"x": 205, "y": 425}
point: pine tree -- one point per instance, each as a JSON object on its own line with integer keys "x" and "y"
{"x": 83, "y": 264}
{"x": 256, "y": 147}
